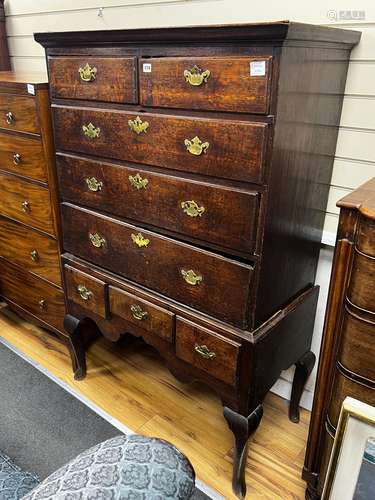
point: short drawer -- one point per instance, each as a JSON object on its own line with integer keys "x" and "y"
{"x": 239, "y": 84}
{"x": 366, "y": 236}
{"x": 18, "y": 113}
{"x": 85, "y": 290}
{"x": 357, "y": 346}
{"x": 142, "y": 313}
{"x": 22, "y": 155}
{"x": 362, "y": 280}
{"x": 33, "y": 294}
{"x": 208, "y": 351}
{"x": 26, "y": 202}
{"x": 215, "y": 147}
{"x": 108, "y": 79}
{"x": 195, "y": 277}
{"x": 30, "y": 249}
{"x": 208, "y": 212}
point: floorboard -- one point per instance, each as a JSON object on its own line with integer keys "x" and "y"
{"x": 130, "y": 382}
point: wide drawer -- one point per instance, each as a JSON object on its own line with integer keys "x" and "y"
{"x": 141, "y": 313}
{"x": 30, "y": 249}
{"x": 207, "y": 350}
{"x": 222, "y": 148}
{"x": 22, "y": 155}
{"x": 108, "y": 79}
{"x": 34, "y": 295}
{"x": 362, "y": 280}
{"x": 209, "y": 212}
{"x": 26, "y": 202}
{"x": 204, "y": 280}
{"x": 87, "y": 291}
{"x": 18, "y": 113}
{"x": 239, "y": 84}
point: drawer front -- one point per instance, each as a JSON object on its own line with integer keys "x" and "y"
{"x": 239, "y": 84}
{"x": 343, "y": 387}
{"x": 207, "y": 350}
{"x": 108, "y": 79}
{"x": 220, "y": 148}
{"x": 18, "y": 113}
{"x": 212, "y": 213}
{"x": 141, "y": 313}
{"x": 209, "y": 282}
{"x": 31, "y": 250}
{"x": 33, "y": 294}
{"x": 357, "y": 350}
{"x": 23, "y": 156}
{"x": 25, "y": 202}
{"x": 85, "y": 290}
{"x": 366, "y": 236}
{"x": 362, "y": 281}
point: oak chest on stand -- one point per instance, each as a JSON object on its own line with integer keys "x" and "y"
{"x": 194, "y": 167}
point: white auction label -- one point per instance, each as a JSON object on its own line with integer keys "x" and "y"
{"x": 30, "y": 89}
{"x": 147, "y": 67}
{"x": 257, "y": 68}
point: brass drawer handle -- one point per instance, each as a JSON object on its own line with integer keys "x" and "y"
{"x": 138, "y": 126}
{"x": 9, "y": 117}
{"x": 138, "y": 313}
{"x": 196, "y": 147}
{"x": 97, "y": 240}
{"x": 87, "y": 73}
{"x": 34, "y": 255}
{"x": 204, "y": 351}
{"x": 42, "y": 304}
{"x": 91, "y": 131}
{"x": 140, "y": 240}
{"x": 191, "y": 277}
{"x": 196, "y": 76}
{"x": 93, "y": 184}
{"x": 84, "y": 292}
{"x": 26, "y": 207}
{"x": 17, "y": 158}
{"x": 138, "y": 182}
{"x": 192, "y": 209}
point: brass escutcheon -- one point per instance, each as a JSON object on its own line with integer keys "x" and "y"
{"x": 195, "y": 146}
{"x": 91, "y": 131}
{"x": 93, "y": 184}
{"x": 84, "y": 292}
{"x": 138, "y": 126}
{"x": 191, "y": 277}
{"x": 138, "y": 312}
{"x": 34, "y": 255}
{"x": 192, "y": 209}
{"x": 17, "y": 158}
{"x": 140, "y": 240}
{"x": 97, "y": 240}
{"x": 204, "y": 351}
{"x": 137, "y": 181}
{"x": 196, "y": 76}
{"x": 87, "y": 73}
{"x": 9, "y": 117}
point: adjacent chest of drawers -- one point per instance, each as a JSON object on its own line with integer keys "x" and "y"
{"x": 194, "y": 167}
{"x": 30, "y": 276}
{"x": 348, "y": 349}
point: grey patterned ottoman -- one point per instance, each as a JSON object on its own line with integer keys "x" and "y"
{"x": 123, "y": 468}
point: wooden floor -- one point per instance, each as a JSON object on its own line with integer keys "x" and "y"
{"x": 130, "y": 382}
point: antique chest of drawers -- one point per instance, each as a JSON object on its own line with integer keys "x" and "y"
{"x": 347, "y": 356}
{"x": 30, "y": 275}
{"x": 194, "y": 167}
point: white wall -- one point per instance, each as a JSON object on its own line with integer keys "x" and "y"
{"x": 355, "y": 154}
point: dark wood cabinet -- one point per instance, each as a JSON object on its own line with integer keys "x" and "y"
{"x": 346, "y": 366}
{"x": 194, "y": 168}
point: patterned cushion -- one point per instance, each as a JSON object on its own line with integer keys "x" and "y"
{"x": 122, "y": 468}
{"x": 14, "y": 483}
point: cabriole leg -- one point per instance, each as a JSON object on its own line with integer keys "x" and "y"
{"x": 304, "y": 367}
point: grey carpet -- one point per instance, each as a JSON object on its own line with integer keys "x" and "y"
{"x": 42, "y": 426}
